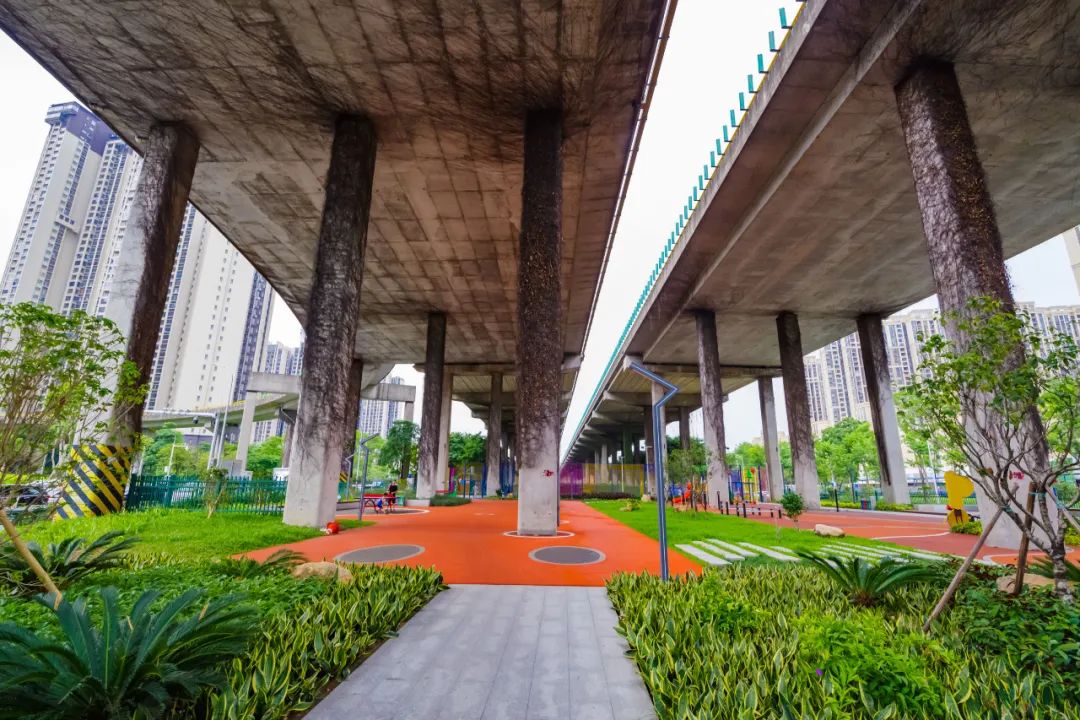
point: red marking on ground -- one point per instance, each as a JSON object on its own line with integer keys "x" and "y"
{"x": 467, "y": 544}
{"x": 891, "y": 527}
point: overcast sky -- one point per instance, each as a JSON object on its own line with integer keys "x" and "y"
{"x": 713, "y": 46}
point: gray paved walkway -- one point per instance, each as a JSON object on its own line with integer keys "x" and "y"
{"x": 495, "y": 652}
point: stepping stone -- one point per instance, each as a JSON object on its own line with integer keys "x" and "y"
{"x": 702, "y": 555}
{"x": 717, "y": 549}
{"x": 731, "y": 547}
{"x": 775, "y": 554}
{"x": 854, "y": 551}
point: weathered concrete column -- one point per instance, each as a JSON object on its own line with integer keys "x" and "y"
{"x": 539, "y": 336}
{"x": 352, "y": 416}
{"x": 148, "y": 253}
{"x": 875, "y": 357}
{"x": 427, "y": 472}
{"x": 662, "y": 450}
{"x": 288, "y": 417}
{"x": 769, "y": 438}
{"x": 243, "y": 437}
{"x": 605, "y": 476}
{"x": 493, "y": 448}
{"x": 409, "y": 410}
{"x": 797, "y": 401}
{"x": 962, "y": 234}
{"x": 650, "y": 468}
{"x": 332, "y": 313}
{"x": 442, "y": 477}
{"x": 684, "y": 428}
{"x": 712, "y": 404}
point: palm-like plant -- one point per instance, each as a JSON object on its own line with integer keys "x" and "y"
{"x": 66, "y": 561}
{"x": 280, "y": 561}
{"x": 135, "y": 666}
{"x": 866, "y": 583}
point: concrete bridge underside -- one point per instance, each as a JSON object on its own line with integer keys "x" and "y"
{"x": 811, "y": 223}
{"x": 434, "y": 96}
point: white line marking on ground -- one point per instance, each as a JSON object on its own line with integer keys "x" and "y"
{"x": 702, "y": 555}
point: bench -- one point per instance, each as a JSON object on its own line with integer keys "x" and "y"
{"x": 372, "y": 501}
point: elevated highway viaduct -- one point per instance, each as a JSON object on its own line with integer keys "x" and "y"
{"x": 893, "y": 149}
{"x": 422, "y": 181}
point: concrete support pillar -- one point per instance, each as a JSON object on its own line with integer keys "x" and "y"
{"x": 427, "y": 474}
{"x": 288, "y": 418}
{"x": 539, "y": 337}
{"x": 442, "y": 478}
{"x": 712, "y": 405}
{"x": 243, "y": 437}
{"x": 352, "y": 416}
{"x": 650, "y": 468}
{"x": 145, "y": 263}
{"x": 662, "y": 450}
{"x": 797, "y": 401}
{"x": 875, "y": 359}
{"x": 332, "y": 312}
{"x": 962, "y": 234}
{"x": 410, "y": 409}
{"x": 684, "y": 428}
{"x": 773, "y": 467}
{"x": 493, "y": 449}
{"x": 605, "y": 476}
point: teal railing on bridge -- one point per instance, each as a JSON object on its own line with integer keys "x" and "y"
{"x": 190, "y": 492}
{"x": 727, "y": 136}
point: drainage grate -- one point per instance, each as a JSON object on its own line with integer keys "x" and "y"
{"x": 566, "y": 555}
{"x": 381, "y": 553}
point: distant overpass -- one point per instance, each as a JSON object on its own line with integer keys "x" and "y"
{"x": 809, "y": 220}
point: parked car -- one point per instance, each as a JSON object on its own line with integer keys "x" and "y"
{"x": 23, "y": 500}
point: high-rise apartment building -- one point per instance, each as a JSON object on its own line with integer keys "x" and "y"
{"x": 836, "y": 385}
{"x": 71, "y": 234}
{"x": 376, "y": 416}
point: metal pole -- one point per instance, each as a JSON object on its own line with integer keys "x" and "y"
{"x": 658, "y": 460}
{"x": 363, "y": 478}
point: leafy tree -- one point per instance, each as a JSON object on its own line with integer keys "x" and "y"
{"x": 466, "y": 449}
{"x": 746, "y": 455}
{"x": 265, "y": 456}
{"x": 168, "y": 454}
{"x": 792, "y": 503}
{"x": 844, "y": 448}
{"x": 60, "y": 377}
{"x": 399, "y": 452}
{"x": 979, "y": 398}
{"x": 689, "y": 467}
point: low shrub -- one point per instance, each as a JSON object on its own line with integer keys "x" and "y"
{"x": 868, "y": 583}
{"x": 793, "y": 505}
{"x": 449, "y": 500}
{"x": 895, "y": 507}
{"x": 631, "y": 505}
{"x": 135, "y": 665}
{"x": 1072, "y": 537}
{"x": 970, "y": 527}
{"x": 66, "y": 561}
{"x": 763, "y": 641}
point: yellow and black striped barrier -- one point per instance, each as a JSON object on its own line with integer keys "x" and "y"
{"x": 97, "y": 481}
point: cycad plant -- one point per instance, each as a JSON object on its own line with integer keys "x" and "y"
{"x": 280, "y": 561}
{"x": 1045, "y": 567}
{"x": 865, "y": 583}
{"x": 137, "y": 666}
{"x": 66, "y": 561}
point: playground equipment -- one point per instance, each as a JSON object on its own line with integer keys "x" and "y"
{"x": 957, "y": 487}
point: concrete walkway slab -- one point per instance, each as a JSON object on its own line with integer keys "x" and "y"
{"x": 498, "y": 652}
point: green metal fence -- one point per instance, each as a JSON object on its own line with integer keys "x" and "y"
{"x": 239, "y": 495}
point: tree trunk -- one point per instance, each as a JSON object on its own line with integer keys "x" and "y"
{"x": 35, "y": 566}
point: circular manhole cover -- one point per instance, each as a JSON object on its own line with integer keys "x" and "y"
{"x": 566, "y": 555}
{"x": 381, "y": 553}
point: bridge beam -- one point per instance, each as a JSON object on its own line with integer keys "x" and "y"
{"x": 798, "y": 409}
{"x": 539, "y": 337}
{"x": 332, "y": 314}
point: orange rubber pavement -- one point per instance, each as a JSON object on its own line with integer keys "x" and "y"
{"x": 924, "y": 532}
{"x": 468, "y": 545}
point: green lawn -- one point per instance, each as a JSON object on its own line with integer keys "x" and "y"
{"x": 311, "y": 631}
{"x": 187, "y": 534}
{"x": 684, "y": 527}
